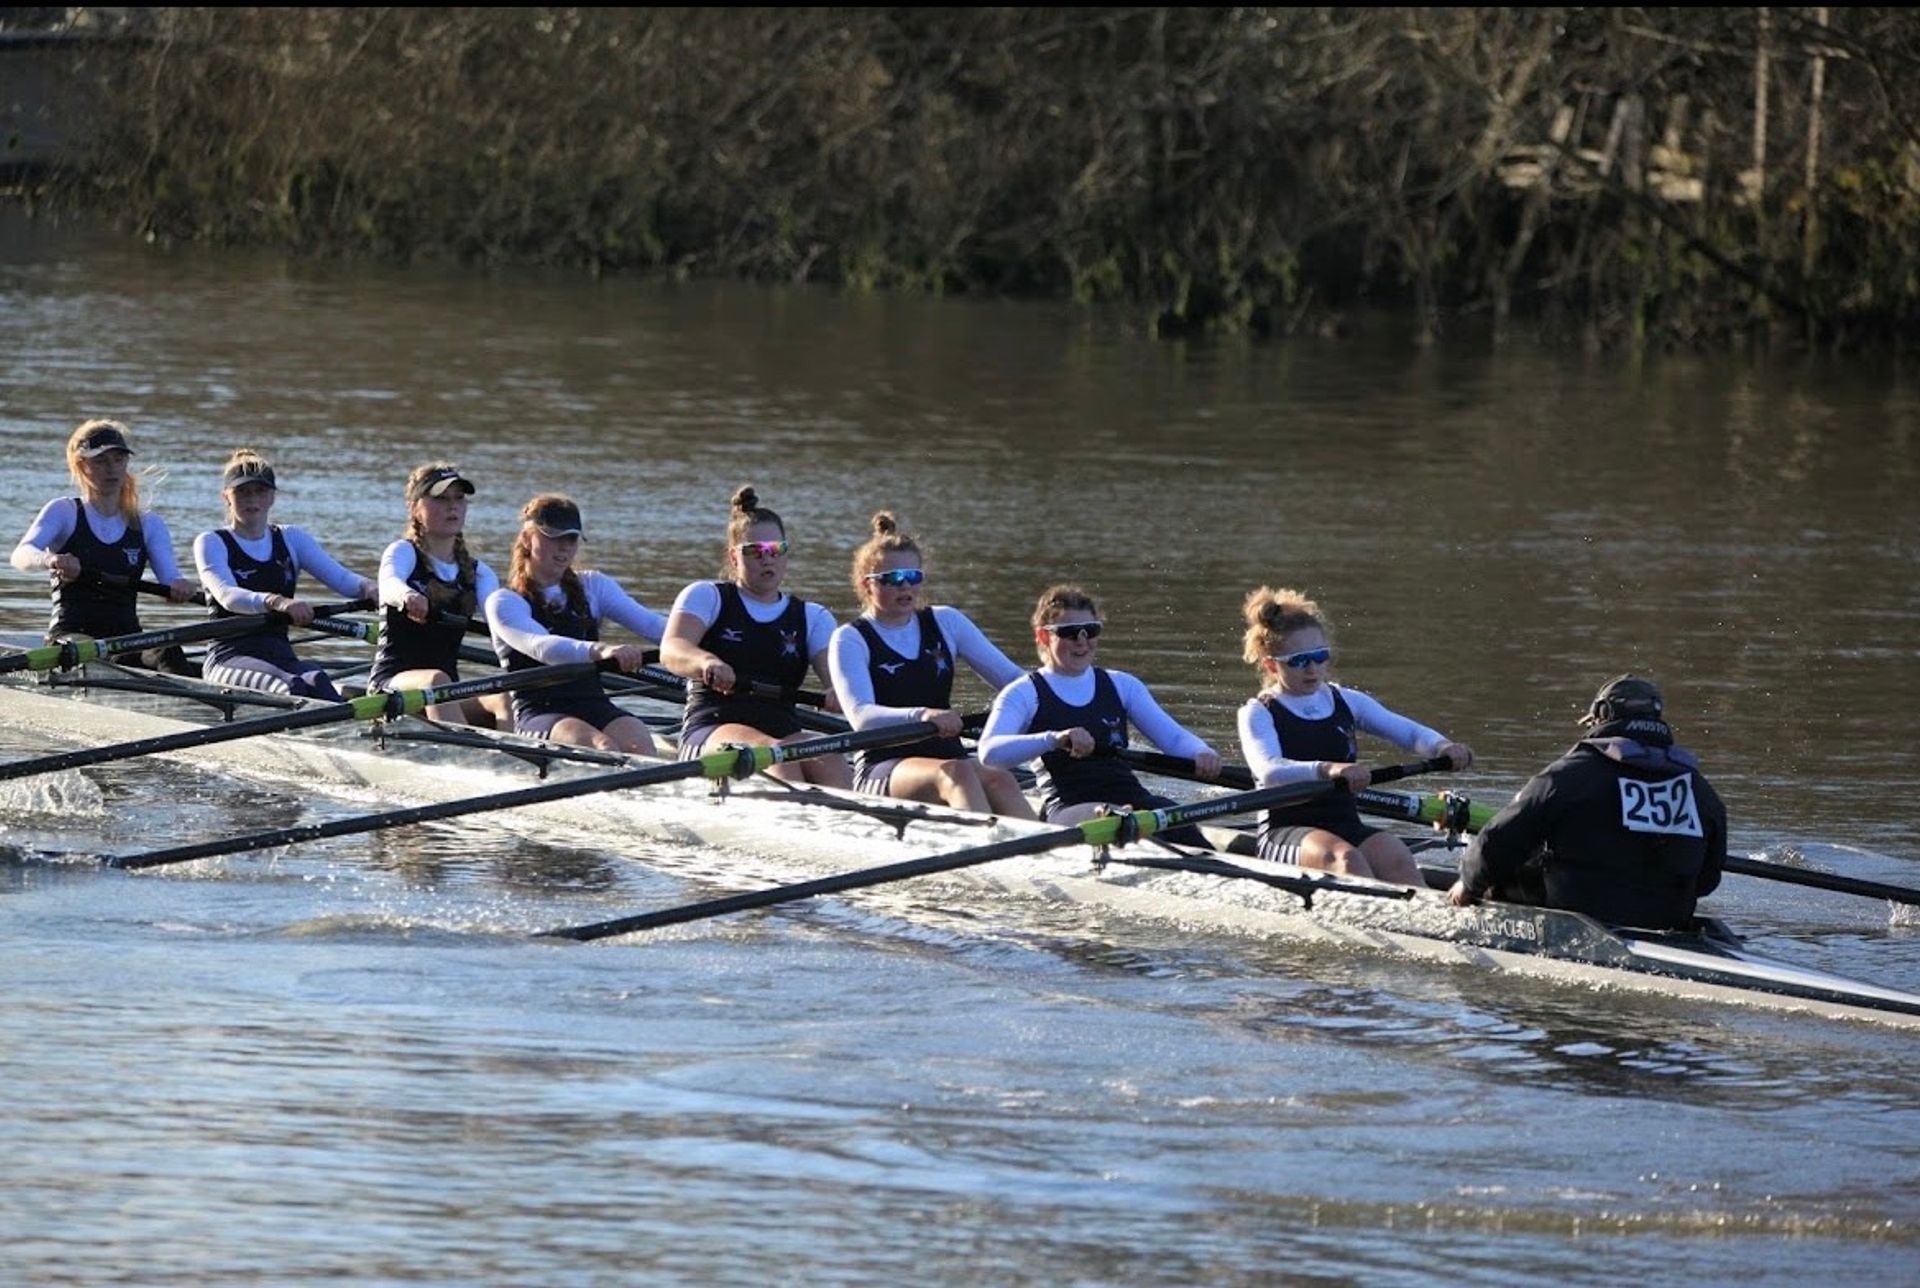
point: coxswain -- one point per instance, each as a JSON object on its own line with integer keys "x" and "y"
{"x": 1624, "y": 827}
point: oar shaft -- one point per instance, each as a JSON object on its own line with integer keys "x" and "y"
{"x": 1823, "y": 880}
{"x": 1020, "y": 845}
{"x": 370, "y": 707}
{"x": 202, "y": 737}
{"x": 715, "y": 764}
{"x": 202, "y": 598}
{"x": 537, "y": 795}
{"x": 72, "y": 653}
{"x": 1095, "y": 831}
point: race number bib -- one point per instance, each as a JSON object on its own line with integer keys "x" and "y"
{"x": 1666, "y": 807}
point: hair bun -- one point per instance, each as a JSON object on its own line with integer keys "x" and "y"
{"x": 884, "y": 524}
{"x": 746, "y": 499}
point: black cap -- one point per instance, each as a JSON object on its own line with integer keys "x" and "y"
{"x": 101, "y": 439}
{"x": 439, "y": 482}
{"x": 1621, "y": 697}
{"x": 558, "y": 518}
{"x": 251, "y": 471}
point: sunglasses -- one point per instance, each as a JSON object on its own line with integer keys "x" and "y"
{"x": 1306, "y": 657}
{"x": 765, "y": 549}
{"x": 898, "y": 577}
{"x": 1075, "y": 630}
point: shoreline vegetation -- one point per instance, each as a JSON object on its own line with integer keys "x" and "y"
{"x": 1623, "y": 176}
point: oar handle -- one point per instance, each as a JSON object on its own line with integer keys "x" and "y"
{"x": 151, "y": 587}
{"x": 1393, "y": 773}
{"x": 1240, "y": 778}
{"x": 148, "y": 586}
{"x": 775, "y": 693}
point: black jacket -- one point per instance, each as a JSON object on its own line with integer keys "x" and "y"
{"x": 1624, "y": 828}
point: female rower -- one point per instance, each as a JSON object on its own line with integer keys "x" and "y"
{"x": 1073, "y": 716}
{"x": 739, "y": 638}
{"x": 96, "y": 545}
{"x": 549, "y": 613}
{"x": 894, "y": 664}
{"x": 1301, "y": 728}
{"x": 428, "y": 578}
{"x": 251, "y": 568}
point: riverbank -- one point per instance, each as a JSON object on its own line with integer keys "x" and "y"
{"x": 1692, "y": 178}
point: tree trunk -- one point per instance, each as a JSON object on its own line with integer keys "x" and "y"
{"x": 1810, "y": 228}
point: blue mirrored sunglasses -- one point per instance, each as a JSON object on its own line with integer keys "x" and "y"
{"x": 1075, "y": 630}
{"x": 1306, "y": 657}
{"x": 765, "y": 549}
{"x": 898, "y": 577}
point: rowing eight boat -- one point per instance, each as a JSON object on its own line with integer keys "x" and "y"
{"x": 412, "y": 760}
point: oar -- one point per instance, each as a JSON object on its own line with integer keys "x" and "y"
{"x": 738, "y": 762}
{"x": 1413, "y": 807}
{"x": 1304, "y": 886}
{"x": 72, "y": 653}
{"x": 1108, "y": 830}
{"x": 204, "y": 600}
{"x": 1822, "y": 880}
{"x": 648, "y": 679}
{"x": 372, "y": 706}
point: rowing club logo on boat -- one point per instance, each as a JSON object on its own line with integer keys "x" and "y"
{"x": 789, "y": 643}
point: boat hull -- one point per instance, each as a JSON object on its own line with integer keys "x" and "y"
{"x": 814, "y": 828}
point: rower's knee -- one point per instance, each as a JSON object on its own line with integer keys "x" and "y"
{"x": 959, "y": 785}
{"x": 1337, "y": 857}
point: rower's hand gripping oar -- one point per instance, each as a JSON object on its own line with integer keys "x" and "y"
{"x": 71, "y": 653}
{"x": 372, "y": 706}
{"x": 721, "y": 763}
{"x": 1109, "y": 829}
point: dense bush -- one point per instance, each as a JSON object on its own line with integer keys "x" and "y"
{"x": 1630, "y": 172}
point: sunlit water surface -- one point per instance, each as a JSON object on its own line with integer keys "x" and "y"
{"x": 354, "y": 1061}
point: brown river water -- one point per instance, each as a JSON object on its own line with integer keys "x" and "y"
{"x": 350, "y": 1062}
